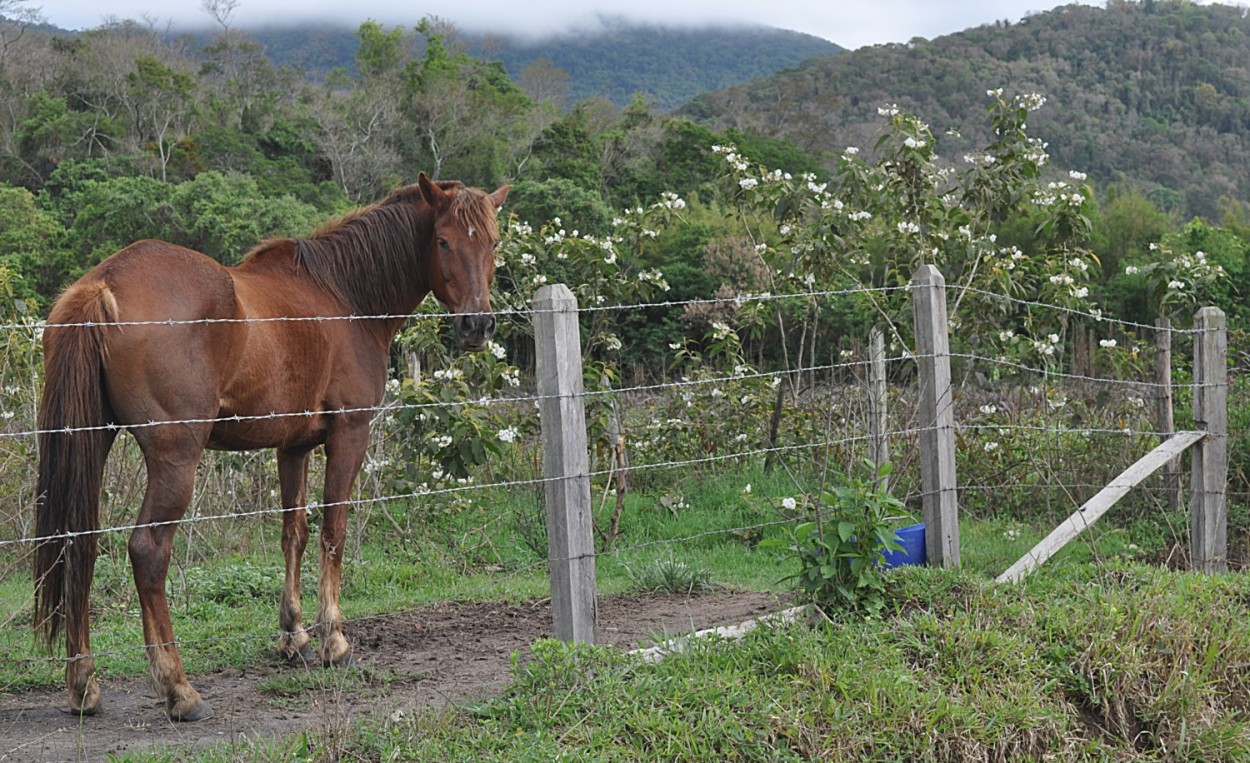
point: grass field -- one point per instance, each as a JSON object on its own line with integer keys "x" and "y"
{"x": 1098, "y": 656}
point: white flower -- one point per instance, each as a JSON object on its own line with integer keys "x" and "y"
{"x": 674, "y": 345}
{"x": 613, "y": 342}
{"x": 1077, "y": 175}
{"x": 508, "y": 435}
{"x": 851, "y": 150}
{"x": 990, "y": 447}
{"x": 1131, "y": 270}
{"x": 1175, "y": 285}
{"x": 1004, "y": 336}
{"x": 913, "y": 143}
{"x": 497, "y": 350}
{"x": 989, "y": 410}
{"x": 789, "y": 504}
{"x": 1106, "y": 343}
{"x": 748, "y": 183}
{"x": 747, "y": 490}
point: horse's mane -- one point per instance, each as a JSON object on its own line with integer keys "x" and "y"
{"x": 369, "y": 257}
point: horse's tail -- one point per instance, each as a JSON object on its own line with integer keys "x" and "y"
{"x": 73, "y": 446}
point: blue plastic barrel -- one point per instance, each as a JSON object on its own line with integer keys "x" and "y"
{"x": 911, "y": 538}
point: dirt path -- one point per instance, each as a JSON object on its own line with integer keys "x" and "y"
{"x": 447, "y": 653}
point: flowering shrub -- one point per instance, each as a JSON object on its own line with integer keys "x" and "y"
{"x": 1177, "y": 282}
{"x": 720, "y": 407}
{"x": 444, "y": 428}
{"x": 872, "y": 224}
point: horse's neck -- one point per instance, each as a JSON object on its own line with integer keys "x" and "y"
{"x": 373, "y": 268}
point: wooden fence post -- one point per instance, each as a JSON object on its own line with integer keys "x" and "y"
{"x": 1164, "y": 423}
{"x": 566, "y": 468}
{"x": 937, "y": 418}
{"x": 877, "y": 401}
{"x": 1208, "y": 481}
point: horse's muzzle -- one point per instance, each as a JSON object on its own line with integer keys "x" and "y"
{"x": 474, "y": 330}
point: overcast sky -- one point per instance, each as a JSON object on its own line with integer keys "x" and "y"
{"x": 849, "y": 23}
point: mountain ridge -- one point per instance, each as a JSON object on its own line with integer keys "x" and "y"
{"x": 1154, "y": 95}
{"x": 668, "y": 65}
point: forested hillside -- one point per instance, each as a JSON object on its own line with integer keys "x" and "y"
{"x": 1155, "y": 94}
{"x": 667, "y": 65}
{"x": 120, "y": 133}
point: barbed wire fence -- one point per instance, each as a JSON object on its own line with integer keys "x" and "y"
{"x": 1054, "y": 464}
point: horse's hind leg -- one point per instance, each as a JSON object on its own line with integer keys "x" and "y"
{"x": 293, "y": 477}
{"x": 84, "y": 691}
{"x": 171, "y": 453}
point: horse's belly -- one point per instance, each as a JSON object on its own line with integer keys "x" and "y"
{"x": 238, "y": 430}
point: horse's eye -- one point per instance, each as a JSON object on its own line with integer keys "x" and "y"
{"x": 442, "y": 242}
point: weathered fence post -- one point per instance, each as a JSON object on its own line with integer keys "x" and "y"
{"x": 1164, "y": 423}
{"x": 937, "y": 418}
{"x": 566, "y": 468}
{"x": 877, "y": 401}
{"x": 1208, "y": 481}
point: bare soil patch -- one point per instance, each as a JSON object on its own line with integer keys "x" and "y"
{"x": 447, "y": 653}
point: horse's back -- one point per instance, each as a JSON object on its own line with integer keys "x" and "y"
{"x": 175, "y": 338}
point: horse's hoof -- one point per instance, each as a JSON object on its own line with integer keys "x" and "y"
{"x": 306, "y": 655}
{"x": 200, "y": 712}
{"x": 346, "y": 661}
{"x": 86, "y": 711}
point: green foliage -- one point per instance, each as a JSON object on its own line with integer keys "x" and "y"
{"x": 233, "y": 584}
{"x": 670, "y": 575}
{"x": 52, "y": 133}
{"x": 840, "y": 554}
{"x": 557, "y": 198}
{"x": 28, "y": 245}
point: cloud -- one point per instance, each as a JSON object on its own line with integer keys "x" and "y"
{"x": 850, "y": 23}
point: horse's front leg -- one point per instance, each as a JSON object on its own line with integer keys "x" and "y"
{"x": 293, "y": 478}
{"x": 345, "y": 451}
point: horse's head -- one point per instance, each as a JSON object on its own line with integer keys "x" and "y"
{"x": 462, "y": 261}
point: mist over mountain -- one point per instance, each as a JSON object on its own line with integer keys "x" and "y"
{"x": 666, "y": 65}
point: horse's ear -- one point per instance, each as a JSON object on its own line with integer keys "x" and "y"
{"x": 430, "y": 191}
{"x": 500, "y": 196}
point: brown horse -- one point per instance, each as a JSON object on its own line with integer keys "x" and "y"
{"x": 111, "y": 364}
